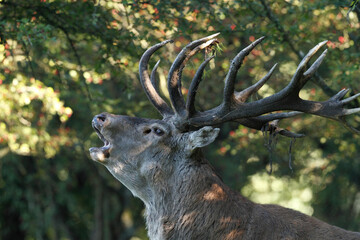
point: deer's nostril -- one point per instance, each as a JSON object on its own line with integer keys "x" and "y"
{"x": 101, "y": 118}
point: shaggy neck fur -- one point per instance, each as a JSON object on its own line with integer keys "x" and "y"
{"x": 193, "y": 200}
{"x": 194, "y": 203}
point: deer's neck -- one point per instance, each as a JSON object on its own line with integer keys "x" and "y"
{"x": 197, "y": 197}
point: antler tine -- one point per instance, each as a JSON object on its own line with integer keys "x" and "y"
{"x": 174, "y": 77}
{"x": 351, "y": 111}
{"x": 315, "y": 65}
{"x": 153, "y": 77}
{"x": 190, "y": 102}
{"x": 242, "y": 96}
{"x": 148, "y": 87}
{"x": 300, "y": 78}
{"x": 234, "y": 67}
{"x": 349, "y": 99}
{"x": 341, "y": 94}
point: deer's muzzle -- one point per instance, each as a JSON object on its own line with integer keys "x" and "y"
{"x": 102, "y": 153}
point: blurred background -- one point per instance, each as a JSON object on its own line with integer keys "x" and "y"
{"x": 64, "y": 61}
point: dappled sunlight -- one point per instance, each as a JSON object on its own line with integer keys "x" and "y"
{"x": 216, "y": 193}
{"x": 317, "y": 161}
{"x": 288, "y": 68}
{"x": 25, "y": 131}
{"x": 234, "y": 234}
{"x": 188, "y": 219}
{"x": 284, "y": 191}
{"x": 266, "y": 91}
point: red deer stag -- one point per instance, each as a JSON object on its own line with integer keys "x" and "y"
{"x": 161, "y": 161}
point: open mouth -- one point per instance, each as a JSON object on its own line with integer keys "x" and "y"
{"x": 100, "y": 153}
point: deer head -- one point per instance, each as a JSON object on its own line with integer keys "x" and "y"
{"x": 137, "y": 151}
{"x": 155, "y": 158}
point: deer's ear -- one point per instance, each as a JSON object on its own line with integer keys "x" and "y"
{"x": 202, "y": 137}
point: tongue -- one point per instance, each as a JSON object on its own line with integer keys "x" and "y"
{"x": 105, "y": 149}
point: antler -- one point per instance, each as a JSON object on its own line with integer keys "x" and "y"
{"x": 147, "y": 84}
{"x": 174, "y": 77}
{"x": 174, "y": 83}
{"x": 234, "y": 106}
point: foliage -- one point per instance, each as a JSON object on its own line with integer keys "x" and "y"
{"x": 65, "y": 61}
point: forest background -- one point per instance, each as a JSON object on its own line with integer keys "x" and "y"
{"x": 62, "y": 62}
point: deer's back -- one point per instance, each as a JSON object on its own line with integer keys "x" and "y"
{"x": 276, "y": 222}
{"x": 228, "y": 219}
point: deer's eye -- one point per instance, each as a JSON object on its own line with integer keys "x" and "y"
{"x": 158, "y": 131}
{"x": 147, "y": 131}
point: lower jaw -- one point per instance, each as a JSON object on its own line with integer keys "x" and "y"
{"x": 100, "y": 154}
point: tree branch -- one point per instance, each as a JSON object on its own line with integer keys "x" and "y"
{"x": 71, "y": 42}
{"x": 27, "y": 53}
{"x": 317, "y": 79}
{"x": 72, "y": 45}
